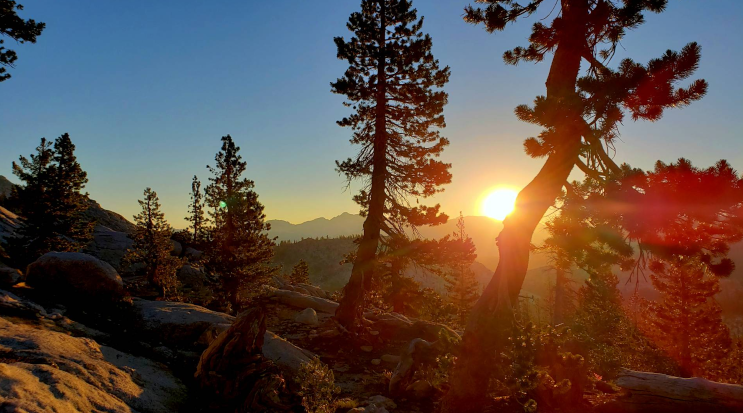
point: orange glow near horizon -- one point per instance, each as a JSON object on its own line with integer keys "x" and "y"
{"x": 498, "y": 203}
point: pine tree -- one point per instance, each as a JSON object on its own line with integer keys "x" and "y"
{"x": 51, "y": 200}
{"x": 461, "y": 284}
{"x": 580, "y": 116}
{"x": 69, "y": 202}
{"x": 16, "y": 28}
{"x": 687, "y": 320}
{"x": 393, "y": 84}
{"x": 152, "y": 246}
{"x": 300, "y": 273}
{"x": 196, "y": 212}
{"x": 240, "y": 250}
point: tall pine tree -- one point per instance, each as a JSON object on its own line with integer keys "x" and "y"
{"x": 18, "y": 29}
{"x": 580, "y": 117}
{"x": 393, "y": 84}
{"x": 152, "y": 247}
{"x": 240, "y": 250}
{"x": 196, "y": 212}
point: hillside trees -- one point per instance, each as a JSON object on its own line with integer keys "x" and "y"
{"x": 579, "y": 116}
{"x": 16, "y": 28}
{"x": 393, "y": 85}
{"x": 687, "y": 320}
{"x": 240, "y": 249}
{"x": 50, "y": 200}
{"x": 461, "y": 284}
{"x": 152, "y": 246}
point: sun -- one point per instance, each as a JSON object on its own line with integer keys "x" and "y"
{"x": 499, "y": 203}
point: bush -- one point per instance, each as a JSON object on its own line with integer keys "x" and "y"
{"x": 317, "y": 387}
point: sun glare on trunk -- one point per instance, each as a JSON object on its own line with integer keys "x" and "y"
{"x": 499, "y": 203}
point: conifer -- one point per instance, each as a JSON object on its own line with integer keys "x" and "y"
{"x": 18, "y": 29}
{"x": 393, "y": 85}
{"x": 579, "y": 116}
{"x": 686, "y": 319}
{"x": 461, "y": 283}
{"x": 240, "y": 250}
{"x": 300, "y": 273}
{"x": 196, "y": 212}
{"x": 152, "y": 247}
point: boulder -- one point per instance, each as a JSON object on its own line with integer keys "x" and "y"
{"x": 47, "y": 371}
{"x": 307, "y": 316}
{"x": 73, "y": 275}
{"x": 193, "y": 253}
{"x": 177, "y": 248}
{"x": 286, "y": 355}
{"x": 109, "y": 245}
{"x": 10, "y": 276}
{"x": 179, "y": 324}
{"x": 195, "y": 284}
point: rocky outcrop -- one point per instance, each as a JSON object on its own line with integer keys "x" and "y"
{"x": 10, "y": 223}
{"x": 47, "y": 371}
{"x": 178, "y": 324}
{"x": 6, "y": 188}
{"x": 299, "y": 300}
{"x": 109, "y": 219}
{"x": 109, "y": 245}
{"x": 72, "y": 276}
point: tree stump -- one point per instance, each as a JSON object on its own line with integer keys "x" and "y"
{"x": 234, "y": 370}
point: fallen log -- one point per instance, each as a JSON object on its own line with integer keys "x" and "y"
{"x": 299, "y": 300}
{"x": 660, "y": 393}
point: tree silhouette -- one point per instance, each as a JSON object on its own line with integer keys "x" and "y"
{"x": 152, "y": 246}
{"x": 461, "y": 284}
{"x": 393, "y": 85}
{"x": 196, "y": 212}
{"x": 51, "y": 200}
{"x": 13, "y": 26}
{"x": 579, "y": 116}
{"x": 240, "y": 249}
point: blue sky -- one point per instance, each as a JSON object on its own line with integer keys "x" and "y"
{"x": 147, "y": 88}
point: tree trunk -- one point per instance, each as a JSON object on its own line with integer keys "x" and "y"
{"x": 351, "y": 308}
{"x": 490, "y": 322}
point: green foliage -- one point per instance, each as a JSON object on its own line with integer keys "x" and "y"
{"x": 391, "y": 84}
{"x": 240, "y": 249}
{"x": 51, "y": 201}
{"x": 152, "y": 247}
{"x": 300, "y": 273}
{"x": 317, "y": 387}
{"x": 18, "y": 29}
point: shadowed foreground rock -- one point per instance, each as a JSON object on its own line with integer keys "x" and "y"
{"x": 234, "y": 370}
{"x": 74, "y": 276}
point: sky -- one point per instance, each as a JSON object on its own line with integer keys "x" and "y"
{"x": 147, "y": 89}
